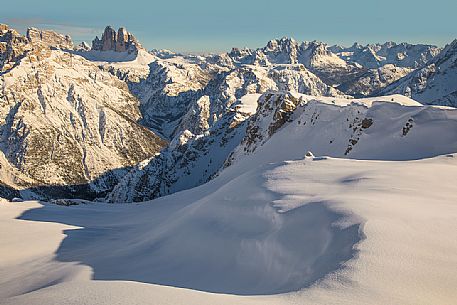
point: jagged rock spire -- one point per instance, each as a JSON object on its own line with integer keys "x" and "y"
{"x": 111, "y": 41}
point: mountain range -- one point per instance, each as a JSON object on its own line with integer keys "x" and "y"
{"x": 115, "y": 122}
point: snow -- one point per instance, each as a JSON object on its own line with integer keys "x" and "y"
{"x": 367, "y": 101}
{"x": 126, "y": 58}
{"x": 248, "y": 103}
{"x": 254, "y": 231}
{"x": 72, "y": 110}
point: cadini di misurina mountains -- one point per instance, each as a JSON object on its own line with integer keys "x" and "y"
{"x": 277, "y": 175}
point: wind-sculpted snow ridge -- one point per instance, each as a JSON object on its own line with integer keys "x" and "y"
{"x": 332, "y": 231}
{"x": 226, "y": 237}
{"x": 435, "y": 83}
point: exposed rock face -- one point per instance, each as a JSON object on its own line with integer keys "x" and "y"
{"x": 121, "y": 41}
{"x": 49, "y": 38}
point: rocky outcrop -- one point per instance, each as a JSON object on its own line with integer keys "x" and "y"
{"x": 13, "y": 47}
{"x": 122, "y": 41}
{"x": 49, "y": 38}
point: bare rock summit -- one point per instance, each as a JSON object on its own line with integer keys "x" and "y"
{"x": 120, "y": 41}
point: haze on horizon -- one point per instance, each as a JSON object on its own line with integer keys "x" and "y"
{"x": 210, "y": 26}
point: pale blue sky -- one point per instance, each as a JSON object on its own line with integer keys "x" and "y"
{"x": 213, "y": 26}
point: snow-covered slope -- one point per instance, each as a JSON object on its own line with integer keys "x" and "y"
{"x": 382, "y": 128}
{"x": 435, "y": 83}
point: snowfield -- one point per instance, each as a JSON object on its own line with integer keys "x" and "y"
{"x": 339, "y": 231}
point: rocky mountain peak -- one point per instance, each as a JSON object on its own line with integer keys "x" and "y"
{"x": 3, "y": 27}
{"x": 285, "y": 43}
{"x": 449, "y": 50}
{"x": 237, "y": 52}
{"x": 120, "y": 41}
{"x": 317, "y": 48}
{"x": 282, "y": 50}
